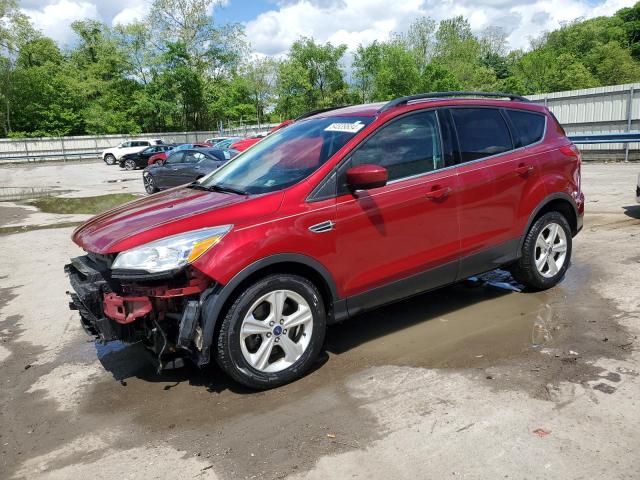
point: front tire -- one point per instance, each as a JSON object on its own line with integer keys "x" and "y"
{"x": 273, "y": 332}
{"x": 110, "y": 159}
{"x": 149, "y": 183}
{"x": 130, "y": 165}
{"x": 546, "y": 253}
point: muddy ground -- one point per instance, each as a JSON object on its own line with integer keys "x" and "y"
{"x": 471, "y": 381}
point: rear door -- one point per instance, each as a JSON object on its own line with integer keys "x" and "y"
{"x": 191, "y": 167}
{"x": 405, "y": 231}
{"x": 494, "y": 176}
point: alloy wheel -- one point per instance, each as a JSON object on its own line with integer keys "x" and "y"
{"x": 149, "y": 183}
{"x": 551, "y": 250}
{"x": 276, "y": 331}
{"x": 129, "y": 165}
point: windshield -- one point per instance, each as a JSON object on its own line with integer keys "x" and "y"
{"x": 287, "y": 156}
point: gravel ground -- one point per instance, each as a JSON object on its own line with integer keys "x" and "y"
{"x": 472, "y": 381}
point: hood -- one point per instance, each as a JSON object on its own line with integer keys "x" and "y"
{"x": 169, "y": 213}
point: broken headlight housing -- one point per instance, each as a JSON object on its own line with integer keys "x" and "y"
{"x": 170, "y": 253}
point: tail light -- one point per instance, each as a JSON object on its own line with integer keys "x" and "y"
{"x": 570, "y": 150}
{"x": 573, "y": 152}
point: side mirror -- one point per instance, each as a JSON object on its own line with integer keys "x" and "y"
{"x": 366, "y": 176}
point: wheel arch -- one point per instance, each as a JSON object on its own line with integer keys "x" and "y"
{"x": 218, "y": 299}
{"x": 556, "y": 202}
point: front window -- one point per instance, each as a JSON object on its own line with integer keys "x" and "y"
{"x": 287, "y": 156}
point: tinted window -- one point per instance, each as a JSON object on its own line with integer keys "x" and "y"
{"x": 406, "y": 147}
{"x": 530, "y": 126}
{"x": 192, "y": 157}
{"x": 174, "y": 158}
{"x": 125, "y": 145}
{"x": 482, "y": 132}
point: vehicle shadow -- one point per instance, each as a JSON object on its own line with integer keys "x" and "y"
{"x": 632, "y": 211}
{"x": 134, "y": 361}
{"x": 392, "y": 318}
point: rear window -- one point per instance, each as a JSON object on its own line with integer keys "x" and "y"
{"x": 482, "y": 132}
{"x": 529, "y": 126}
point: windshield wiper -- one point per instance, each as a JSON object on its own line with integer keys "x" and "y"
{"x": 198, "y": 186}
{"x": 224, "y": 188}
{"x": 216, "y": 188}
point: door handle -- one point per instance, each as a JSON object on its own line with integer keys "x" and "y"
{"x": 437, "y": 193}
{"x": 524, "y": 169}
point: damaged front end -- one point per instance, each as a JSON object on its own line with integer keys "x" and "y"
{"x": 162, "y": 311}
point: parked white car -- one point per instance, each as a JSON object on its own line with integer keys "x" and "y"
{"x": 112, "y": 155}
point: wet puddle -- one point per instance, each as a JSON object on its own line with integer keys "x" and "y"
{"x": 469, "y": 324}
{"x": 82, "y": 205}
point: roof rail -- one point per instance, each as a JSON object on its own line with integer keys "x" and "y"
{"x": 421, "y": 96}
{"x": 316, "y": 112}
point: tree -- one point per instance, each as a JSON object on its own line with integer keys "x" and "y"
{"x": 260, "y": 75}
{"x": 48, "y": 106}
{"x": 493, "y": 51}
{"x": 613, "y": 64}
{"x": 366, "y": 64}
{"x": 397, "y": 73}
{"x": 312, "y": 77}
{"x": 102, "y": 76}
{"x": 631, "y": 26}
{"x": 420, "y": 38}
{"x": 190, "y": 23}
{"x": 437, "y": 78}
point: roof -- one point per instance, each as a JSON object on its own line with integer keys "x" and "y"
{"x": 373, "y": 109}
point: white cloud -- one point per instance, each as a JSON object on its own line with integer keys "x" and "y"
{"x": 362, "y": 21}
{"x": 339, "y": 21}
{"x": 54, "y": 19}
{"x": 131, "y": 14}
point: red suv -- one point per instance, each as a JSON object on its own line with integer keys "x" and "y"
{"x": 334, "y": 215}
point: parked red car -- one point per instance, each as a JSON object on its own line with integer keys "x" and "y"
{"x": 337, "y": 214}
{"x": 157, "y": 158}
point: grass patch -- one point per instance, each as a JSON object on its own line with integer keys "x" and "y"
{"x": 88, "y": 205}
{"x": 29, "y": 228}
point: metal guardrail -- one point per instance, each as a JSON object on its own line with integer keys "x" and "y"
{"x": 627, "y": 137}
{"x": 589, "y": 139}
{"x": 90, "y": 146}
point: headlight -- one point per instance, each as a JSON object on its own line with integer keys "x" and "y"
{"x": 171, "y": 252}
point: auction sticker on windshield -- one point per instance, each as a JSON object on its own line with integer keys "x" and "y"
{"x": 345, "y": 127}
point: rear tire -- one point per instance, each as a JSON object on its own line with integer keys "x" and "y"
{"x": 546, "y": 253}
{"x": 273, "y": 332}
{"x": 110, "y": 159}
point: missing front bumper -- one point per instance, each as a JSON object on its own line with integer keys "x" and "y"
{"x": 163, "y": 314}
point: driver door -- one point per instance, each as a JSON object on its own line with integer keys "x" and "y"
{"x": 166, "y": 173}
{"x": 400, "y": 239}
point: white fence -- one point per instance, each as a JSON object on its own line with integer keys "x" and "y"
{"x": 85, "y": 147}
{"x": 613, "y": 109}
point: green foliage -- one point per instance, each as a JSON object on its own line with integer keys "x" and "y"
{"x": 311, "y": 78}
{"x": 178, "y": 70}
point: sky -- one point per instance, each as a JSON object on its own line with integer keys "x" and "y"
{"x": 272, "y": 26}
